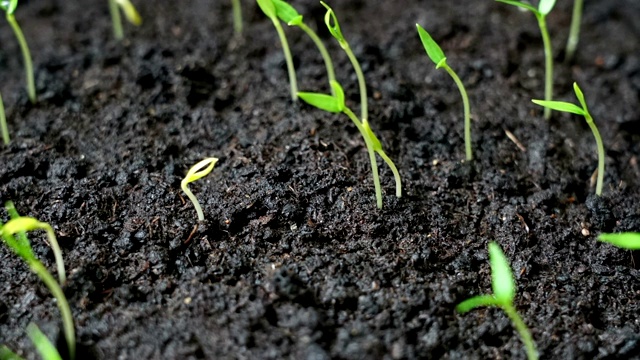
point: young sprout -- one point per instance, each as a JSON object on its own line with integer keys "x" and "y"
{"x": 504, "y": 291}
{"x": 237, "y": 16}
{"x": 7, "y": 354}
{"x": 574, "y": 33}
{"x": 195, "y": 173}
{"x": 13, "y": 234}
{"x": 130, "y": 13}
{"x": 3, "y": 124}
{"x": 544, "y": 8}
{"x": 584, "y": 111}
{"x": 9, "y": 6}
{"x": 436, "y": 55}
{"x": 45, "y": 348}
{"x": 291, "y": 17}
{"x": 626, "y": 240}
{"x": 269, "y": 9}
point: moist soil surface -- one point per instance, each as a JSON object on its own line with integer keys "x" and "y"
{"x": 293, "y": 259}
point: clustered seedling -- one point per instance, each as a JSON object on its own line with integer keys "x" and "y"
{"x": 584, "y": 111}
{"x": 13, "y": 234}
{"x": 9, "y": 6}
{"x": 504, "y": 291}
{"x": 237, "y": 16}
{"x": 574, "y": 32}
{"x": 544, "y": 8}
{"x": 195, "y": 173}
{"x": 336, "y": 104}
{"x": 130, "y": 13}
{"x": 436, "y": 55}
{"x": 625, "y": 240}
{"x": 3, "y": 123}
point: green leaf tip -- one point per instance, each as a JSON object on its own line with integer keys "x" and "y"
{"x": 329, "y": 103}
{"x": 43, "y": 345}
{"x": 625, "y": 240}
{"x": 560, "y": 106}
{"x": 268, "y": 8}
{"x": 9, "y": 6}
{"x": 130, "y": 12}
{"x": 334, "y": 29}
{"x": 580, "y": 96}
{"x": 545, "y": 6}
{"x": 287, "y": 13}
{"x": 504, "y": 287}
{"x": 521, "y": 5}
{"x": 432, "y": 48}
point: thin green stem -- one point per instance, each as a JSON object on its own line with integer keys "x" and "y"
{"x": 396, "y": 174}
{"x": 62, "y": 276}
{"x": 372, "y": 155}
{"x": 194, "y": 200}
{"x": 523, "y": 330}
{"x": 601, "y": 155}
{"x": 323, "y": 51}
{"x": 237, "y": 16}
{"x": 287, "y": 55}
{"x": 467, "y": 115}
{"x": 361, "y": 83}
{"x": 67, "y": 318}
{"x": 574, "y": 33}
{"x": 548, "y": 60}
{"x": 26, "y": 55}
{"x": 3, "y": 123}
{"x": 116, "y": 20}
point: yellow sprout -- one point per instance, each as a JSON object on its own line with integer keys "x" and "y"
{"x": 197, "y": 171}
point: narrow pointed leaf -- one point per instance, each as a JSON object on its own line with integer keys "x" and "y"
{"x": 44, "y": 346}
{"x": 322, "y": 101}
{"x": 504, "y": 287}
{"x": 197, "y": 172}
{"x": 377, "y": 145}
{"x": 434, "y": 51}
{"x": 130, "y": 12}
{"x": 560, "y": 106}
{"x": 286, "y": 12}
{"x": 334, "y": 29}
{"x": 339, "y": 94}
{"x": 268, "y": 8}
{"x": 520, "y": 5}
{"x": 475, "y": 302}
{"x": 627, "y": 240}
{"x": 545, "y": 6}
{"x": 580, "y": 96}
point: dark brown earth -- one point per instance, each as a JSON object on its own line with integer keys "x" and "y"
{"x": 293, "y": 259}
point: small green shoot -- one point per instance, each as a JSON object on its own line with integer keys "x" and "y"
{"x": 291, "y": 17}
{"x": 9, "y": 6}
{"x": 584, "y": 111}
{"x": 436, "y": 55}
{"x": 544, "y": 8}
{"x": 7, "y": 354}
{"x": 45, "y": 348}
{"x": 574, "y": 33}
{"x": 237, "y": 16}
{"x": 197, "y": 171}
{"x": 13, "y": 233}
{"x": 626, "y": 240}
{"x": 130, "y": 13}
{"x": 3, "y": 124}
{"x": 269, "y": 8}
{"x": 504, "y": 291}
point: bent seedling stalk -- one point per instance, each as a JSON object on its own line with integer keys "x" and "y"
{"x": 196, "y": 172}
{"x": 130, "y": 13}
{"x": 10, "y": 7}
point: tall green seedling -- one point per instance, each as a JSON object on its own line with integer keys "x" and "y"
{"x": 3, "y": 124}
{"x": 10, "y": 6}
{"x": 544, "y": 8}
{"x": 574, "y": 32}
{"x": 436, "y": 55}
{"x": 504, "y": 292}
{"x": 584, "y": 111}
{"x": 269, "y": 8}
{"x": 130, "y": 13}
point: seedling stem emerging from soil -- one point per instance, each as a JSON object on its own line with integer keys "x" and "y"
{"x": 130, "y": 13}
{"x": 584, "y": 111}
{"x": 626, "y": 240}
{"x": 237, "y": 16}
{"x": 10, "y": 7}
{"x": 436, "y": 55}
{"x": 3, "y": 123}
{"x": 269, "y": 8}
{"x": 574, "y": 33}
{"x": 504, "y": 291}
{"x": 197, "y": 171}
{"x": 544, "y": 8}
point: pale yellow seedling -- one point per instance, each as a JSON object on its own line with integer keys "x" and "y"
{"x": 130, "y": 13}
{"x": 197, "y": 171}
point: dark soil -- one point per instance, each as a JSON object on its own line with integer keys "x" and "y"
{"x": 294, "y": 260}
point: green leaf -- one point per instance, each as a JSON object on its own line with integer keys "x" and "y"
{"x": 9, "y": 6}
{"x": 504, "y": 288}
{"x": 521, "y": 5}
{"x": 334, "y": 29}
{"x": 434, "y": 51}
{"x": 477, "y": 301}
{"x": 44, "y": 346}
{"x": 375, "y": 143}
{"x": 130, "y": 12}
{"x": 626, "y": 240}
{"x": 339, "y": 93}
{"x": 545, "y": 6}
{"x": 268, "y": 8}
{"x": 580, "y": 97}
{"x": 197, "y": 172}
{"x": 560, "y": 106}
{"x": 322, "y": 101}
{"x": 287, "y": 13}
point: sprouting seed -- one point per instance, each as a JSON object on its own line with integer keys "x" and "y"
{"x": 130, "y": 13}
{"x": 544, "y": 8}
{"x": 3, "y": 124}
{"x": 197, "y": 171}
{"x": 574, "y": 32}
{"x": 504, "y": 291}
{"x": 584, "y": 111}
{"x": 436, "y": 55}
{"x": 625, "y": 240}
{"x": 9, "y": 6}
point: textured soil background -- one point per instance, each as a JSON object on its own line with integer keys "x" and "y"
{"x": 294, "y": 260}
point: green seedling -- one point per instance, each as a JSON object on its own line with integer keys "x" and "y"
{"x": 544, "y": 8}
{"x": 504, "y": 291}
{"x": 9, "y": 6}
{"x": 45, "y": 348}
{"x": 574, "y": 33}
{"x": 291, "y": 17}
{"x": 269, "y": 9}
{"x": 237, "y": 16}
{"x": 584, "y": 111}
{"x": 3, "y": 123}
{"x": 626, "y": 240}
{"x": 197, "y": 171}
{"x": 436, "y": 55}
{"x": 130, "y": 13}
{"x": 13, "y": 234}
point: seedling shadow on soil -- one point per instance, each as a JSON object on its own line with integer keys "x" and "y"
{"x": 293, "y": 259}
